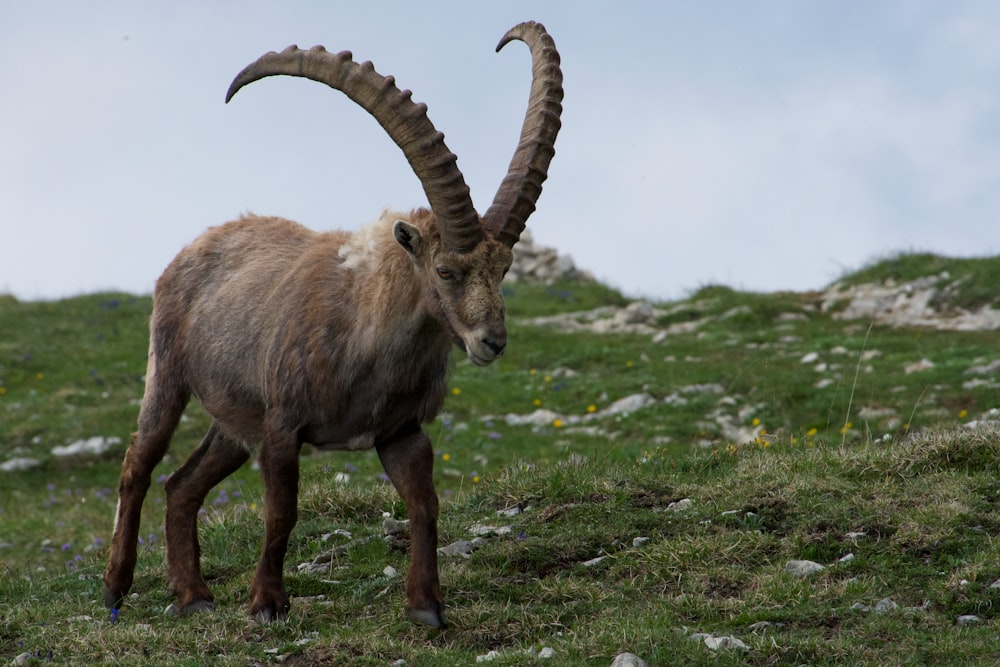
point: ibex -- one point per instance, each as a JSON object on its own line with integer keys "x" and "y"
{"x": 341, "y": 340}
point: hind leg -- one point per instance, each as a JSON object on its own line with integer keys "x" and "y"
{"x": 161, "y": 411}
{"x": 216, "y": 458}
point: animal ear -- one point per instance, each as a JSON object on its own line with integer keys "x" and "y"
{"x": 409, "y": 237}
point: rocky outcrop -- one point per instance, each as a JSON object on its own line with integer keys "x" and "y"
{"x": 541, "y": 264}
{"x": 916, "y": 303}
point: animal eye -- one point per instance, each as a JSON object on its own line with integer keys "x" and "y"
{"x": 445, "y": 273}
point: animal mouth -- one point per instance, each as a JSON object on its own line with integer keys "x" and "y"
{"x": 480, "y": 360}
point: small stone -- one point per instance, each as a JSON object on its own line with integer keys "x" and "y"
{"x": 680, "y": 505}
{"x": 918, "y": 366}
{"x": 488, "y": 657}
{"x": 513, "y": 511}
{"x": 393, "y": 527}
{"x": 398, "y": 663}
{"x": 846, "y": 559}
{"x": 22, "y": 659}
{"x": 995, "y": 584}
{"x": 724, "y": 643}
{"x": 802, "y": 568}
{"x": 18, "y": 464}
{"x": 810, "y": 358}
{"x": 628, "y": 660}
{"x": 885, "y": 605}
{"x": 968, "y": 619}
{"x": 761, "y": 626}
{"x": 546, "y": 653}
{"x": 462, "y": 548}
{"x": 593, "y": 561}
{"x": 639, "y": 541}
{"x": 486, "y": 531}
{"x": 390, "y": 571}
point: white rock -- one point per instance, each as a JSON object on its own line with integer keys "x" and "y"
{"x": 546, "y": 653}
{"x": 968, "y": 619}
{"x": 885, "y": 605}
{"x": 810, "y": 358}
{"x": 488, "y": 657}
{"x": 639, "y": 541}
{"x": 722, "y": 643}
{"x": 22, "y": 659}
{"x": 540, "y": 417}
{"x": 628, "y": 660}
{"x": 392, "y": 527}
{"x": 628, "y": 404}
{"x": 917, "y": 366}
{"x": 390, "y": 571}
{"x": 802, "y": 568}
{"x": 680, "y": 505}
{"x": 846, "y": 559}
{"x": 593, "y": 561}
{"x": 92, "y": 446}
{"x": 462, "y": 548}
{"x": 484, "y": 531}
{"x": 513, "y": 511}
{"x": 23, "y": 463}
{"x": 637, "y": 312}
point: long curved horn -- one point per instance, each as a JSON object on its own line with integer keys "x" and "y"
{"x": 405, "y": 121}
{"x": 516, "y": 197}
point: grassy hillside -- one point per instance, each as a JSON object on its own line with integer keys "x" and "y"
{"x": 730, "y": 432}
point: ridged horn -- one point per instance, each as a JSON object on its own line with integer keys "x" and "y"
{"x": 521, "y": 187}
{"x": 405, "y": 121}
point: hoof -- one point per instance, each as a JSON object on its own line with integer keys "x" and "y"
{"x": 431, "y": 617}
{"x": 112, "y": 600}
{"x": 193, "y": 608}
{"x": 265, "y": 616}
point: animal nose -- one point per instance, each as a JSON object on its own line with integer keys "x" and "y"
{"x": 496, "y": 343}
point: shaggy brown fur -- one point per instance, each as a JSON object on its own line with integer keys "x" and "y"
{"x": 344, "y": 345}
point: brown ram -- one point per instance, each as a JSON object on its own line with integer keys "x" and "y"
{"x": 337, "y": 339}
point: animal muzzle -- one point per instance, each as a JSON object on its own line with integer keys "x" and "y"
{"x": 485, "y": 345}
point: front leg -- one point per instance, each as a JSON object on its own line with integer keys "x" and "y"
{"x": 279, "y": 466}
{"x": 408, "y": 460}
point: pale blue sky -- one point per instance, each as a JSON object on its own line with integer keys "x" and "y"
{"x": 764, "y": 145}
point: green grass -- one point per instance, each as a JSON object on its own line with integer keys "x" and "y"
{"x": 846, "y": 443}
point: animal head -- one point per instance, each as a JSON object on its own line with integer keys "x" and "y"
{"x": 463, "y": 287}
{"x": 462, "y": 255}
